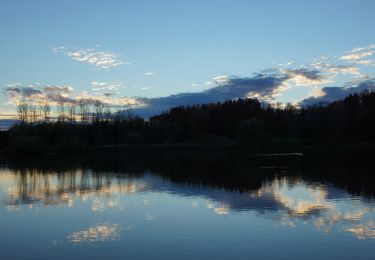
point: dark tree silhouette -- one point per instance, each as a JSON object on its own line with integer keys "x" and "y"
{"x": 245, "y": 121}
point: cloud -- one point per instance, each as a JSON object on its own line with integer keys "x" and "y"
{"x": 231, "y": 88}
{"x": 58, "y": 89}
{"x": 304, "y": 76}
{"x": 305, "y": 73}
{"x": 271, "y": 85}
{"x": 23, "y": 91}
{"x": 39, "y": 95}
{"x": 331, "y": 70}
{"x": 364, "y": 62}
{"x": 56, "y": 94}
{"x": 100, "y": 59}
{"x": 221, "y": 80}
{"x": 107, "y": 86}
{"x": 357, "y": 55}
{"x": 331, "y": 94}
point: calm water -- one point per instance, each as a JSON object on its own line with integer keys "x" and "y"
{"x": 183, "y": 208}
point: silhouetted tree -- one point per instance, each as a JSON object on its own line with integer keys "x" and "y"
{"x": 33, "y": 113}
{"x": 61, "y": 111}
{"x": 241, "y": 121}
{"x": 72, "y": 113}
{"x": 45, "y": 111}
{"x": 23, "y": 110}
{"x": 84, "y": 110}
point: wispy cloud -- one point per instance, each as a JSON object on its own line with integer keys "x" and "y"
{"x": 54, "y": 95}
{"x": 99, "y": 59}
{"x": 37, "y": 94}
{"x": 149, "y": 73}
{"x": 357, "y": 55}
{"x": 272, "y": 83}
{"x": 364, "y": 62}
{"x": 107, "y": 86}
{"x": 304, "y": 76}
{"x": 221, "y": 80}
{"x": 324, "y": 79}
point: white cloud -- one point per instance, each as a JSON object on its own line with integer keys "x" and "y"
{"x": 358, "y": 49}
{"x": 100, "y": 59}
{"x": 106, "y": 86}
{"x": 304, "y": 77}
{"x": 364, "y": 62}
{"x": 150, "y": 73}
{"x": 357, "y": 55}
{"x": 96, "y": 83}
{"x": 221, "y": 80}
{"x": 331, "y": 69}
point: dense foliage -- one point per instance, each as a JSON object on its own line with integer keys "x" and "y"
{"x": 232, "y": 122}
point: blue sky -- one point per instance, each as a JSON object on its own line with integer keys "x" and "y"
{"x": 110, "y": 50}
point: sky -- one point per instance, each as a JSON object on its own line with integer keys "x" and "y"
{"x": 155, "y": 54}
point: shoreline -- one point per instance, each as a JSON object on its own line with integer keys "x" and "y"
{"x": 268, "y": 149}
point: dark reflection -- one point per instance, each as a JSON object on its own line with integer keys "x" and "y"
{"x": 56, "y": 180}
{"x": 324, "y": 190}
{"x": 352, "y": 171}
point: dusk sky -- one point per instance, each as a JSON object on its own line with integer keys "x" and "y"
{"x": 138, "y": 51}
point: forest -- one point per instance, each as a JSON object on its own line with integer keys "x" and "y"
{"x": 235, "y": 122}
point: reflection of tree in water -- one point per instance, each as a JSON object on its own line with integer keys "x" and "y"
{"x": 52, "y": 180}
{"x": 33, "y": 186}
{"x": 277, "y": 189}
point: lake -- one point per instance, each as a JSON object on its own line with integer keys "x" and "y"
{"x": 188, "y": 207}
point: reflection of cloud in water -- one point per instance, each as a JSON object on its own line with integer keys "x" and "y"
{"x": 335, "y": 217}
{"x": 97, "y": 233}
{"x": 149, "y": 217}
{"x": 307, "y": 201}
{"x": 104, "y": 204}
{"x": 363, "y": 231}
{"x": 222, "y": 210}
{"x": 289, "y": 201}
{"x": 311, "y": 205}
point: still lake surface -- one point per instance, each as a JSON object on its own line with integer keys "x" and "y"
{"x": 188, "y": 207}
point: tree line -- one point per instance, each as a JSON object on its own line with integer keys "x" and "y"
{"x": 243, "y": 121}
{"x": 84, "y": 111}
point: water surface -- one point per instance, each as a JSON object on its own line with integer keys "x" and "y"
{"x": 185, "y": 208}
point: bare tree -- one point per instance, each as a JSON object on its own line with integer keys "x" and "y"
{"x": 45, "y": 110}
{"x": 33, "y": 113}
{"x": 127, "y": 113}
{"x": 23, "y": 110}
{"x": 98, "y": 111}
{"x": 84, "y": 110}
{"x": 61, "y": 111}
{"x": 107, "y": 113}
{"x": 72, "y": 113}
